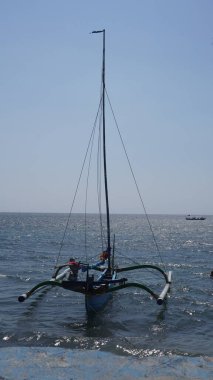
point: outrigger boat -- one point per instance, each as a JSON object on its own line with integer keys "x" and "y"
{"x": 98, "y": 291}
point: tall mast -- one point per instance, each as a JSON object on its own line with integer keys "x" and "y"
{"x": 104, "y": 149}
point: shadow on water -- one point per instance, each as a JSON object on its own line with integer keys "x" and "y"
{"x": 34, "y": 303}
{"x": 161, "y": 315}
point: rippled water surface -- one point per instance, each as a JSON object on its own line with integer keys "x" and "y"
{"x": 132, "y": 324}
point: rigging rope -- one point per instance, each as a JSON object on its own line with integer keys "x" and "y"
{"x": 78, "y": 183}
{"x": 87, "y": 185}
{"x": 134, "y": 178}
{"x": 89, "y": 151}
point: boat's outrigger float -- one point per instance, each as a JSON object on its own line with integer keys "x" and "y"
{"x": 106, "y": 283}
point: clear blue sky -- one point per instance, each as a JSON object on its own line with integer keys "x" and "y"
{"x": 160, "y": 81}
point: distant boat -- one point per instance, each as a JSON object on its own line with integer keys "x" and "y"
{"x": 189, "y": 217}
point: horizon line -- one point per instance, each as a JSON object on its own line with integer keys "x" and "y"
{"x": 96, "y": 213}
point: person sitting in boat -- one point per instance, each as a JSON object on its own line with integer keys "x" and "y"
{"x": 74, "y": 268}
{"x": 103, "y": 257}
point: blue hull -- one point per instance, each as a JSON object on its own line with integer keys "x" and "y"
{"x": 95, "y": 303}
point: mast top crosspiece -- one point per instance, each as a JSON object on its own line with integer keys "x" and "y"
{"x": 98, "y": 31}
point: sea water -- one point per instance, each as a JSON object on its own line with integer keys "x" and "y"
{"x": 132, "y": 336}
